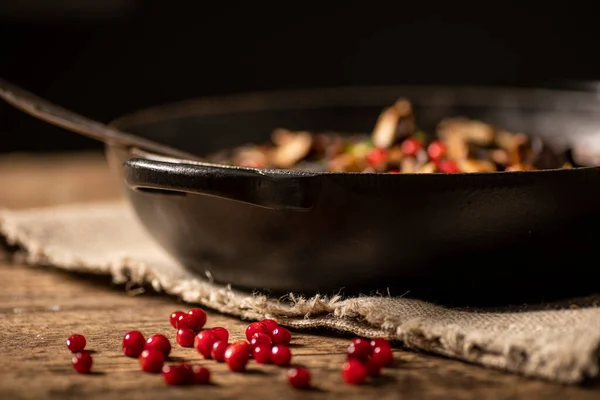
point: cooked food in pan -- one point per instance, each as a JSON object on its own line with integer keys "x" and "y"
{"x": 397, "y": 145}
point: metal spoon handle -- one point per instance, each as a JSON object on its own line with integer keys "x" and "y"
{"x": 56, "y": 115}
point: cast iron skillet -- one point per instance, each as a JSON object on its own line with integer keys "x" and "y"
{"x": 476, "y": 239}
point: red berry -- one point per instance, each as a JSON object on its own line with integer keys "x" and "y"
{"x": 376, "y": 157}
{"x": 299, "y": 377}
{"x": 260, "y": 338}
{"x": 176, "y": 375}
{"x": 82, "y": 362}
{"x": 281, "y": 335}
{"x": 76, "y": 343}
{"x": 359, "y": 349}
{"x": 410, "y": 147}
{"x": 262, "y": 353}
{"x": 189, "y": 321}
{"x": 436, "y": 150}
{"x": 393, "y": 171}
{"x": 222, "y": 333}
{"x": 200, "y": 317}
{"x": 281, "y": 355}
{"x": 373, "y": 367}
{"x": 354, "y": 372}
{"x": 218, "y": 350}
{"x": 270, "y": 324}
{"x": 243, "y": 344}
{"x": 204, "y": 342}
{"x": 160, "y": 343}
{"x": 175, "y": 317}
{"x": 201, "y": 375}
{"x": 185, "y": 337}
{"x": 447, "y": 166}
{"x": 133, "y": 344}
{"x": 236, "y": 357}
{"x": 383, "y": 355}
{"x": 256, "y": 327}
{"x": 380, "y": 342}
{"x": 152, "y": 360}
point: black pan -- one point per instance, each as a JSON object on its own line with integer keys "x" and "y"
{"x": 477, "y": 239}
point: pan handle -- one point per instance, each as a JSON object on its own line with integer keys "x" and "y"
{"x": 277, "y": 190}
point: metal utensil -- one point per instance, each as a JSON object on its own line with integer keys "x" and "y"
{"x": 56, "y": 115}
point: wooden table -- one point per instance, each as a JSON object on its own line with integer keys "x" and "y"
{"x": 41, "y": 307}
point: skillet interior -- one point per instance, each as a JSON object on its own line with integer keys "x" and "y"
{"x": 480, "y": 239}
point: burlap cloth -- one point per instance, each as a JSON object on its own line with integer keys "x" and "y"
{"x": 559, "y": 343}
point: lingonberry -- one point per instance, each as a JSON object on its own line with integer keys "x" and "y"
{"x": 281, "y": 355}
{"x": 280, "y": 335}
{"x": 201, "y": 375}
{"x": 270, "y": 324}
{"x": 380, "y": 342}
{"x": 245, "y": 345}
{"x": 222, "y": 333}
{"x": 152, "y": 360}
{"x": 159, "y": 342}
{"x": 359, "y": 349}
{"x": 200, "y": 317}
{"x": 204, "y": 342}
{"x": 260, "y": 338}
{"x": 436, "y": 150}
{"x": 447, "y": 166}
{"x": 133, "y": 344}
{"x": 262, "y": 353}
{"x": 82, "y": 362}
{"x": 176, "y": 375}
{"x": 218, "y": 350}
{"x": 236, "y": 357}
{"x": 376, "y": 157}
{"x": 299, "y": 377}
{"x": 175, "y": 317}
{"x": 354, "y": 372}
{"x": 383, "y": 355}
{"x": 256, "y": 327}
{"x": 410, "y": 146}
{"x": 76, "y": 343}
{"x": 185, "y": 337}
{"x": 189, "y": 321}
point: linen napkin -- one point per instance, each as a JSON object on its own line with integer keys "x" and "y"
{"x": 560, "y": 342}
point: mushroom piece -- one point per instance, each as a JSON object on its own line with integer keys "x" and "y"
{"x": 293, "y": 149}
{"x": 516, "y": 146}
{"x": 281, "y": 136}
{"x": 427, "y": 168}
{"x": 471, "y": 165}
{"x": 519, "y": 167}
{"x": 408, "y": 165}
{"x": 393, "y": 123}
{"x": 459, "y": 133}
{"x": 499, "y": 156}
{"x": 344, "y": 162}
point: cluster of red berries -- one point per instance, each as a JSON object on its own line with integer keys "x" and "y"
{"x": 267, "y": 342}
{"x": 82, "y": 360}
{"x": 410, "y": 147}
{"x": 366, "y": 358}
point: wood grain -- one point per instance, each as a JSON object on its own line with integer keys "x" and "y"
{"x": 41, "y": 307}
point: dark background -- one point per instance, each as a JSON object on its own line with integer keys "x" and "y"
{"x": 104, "y": 58}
